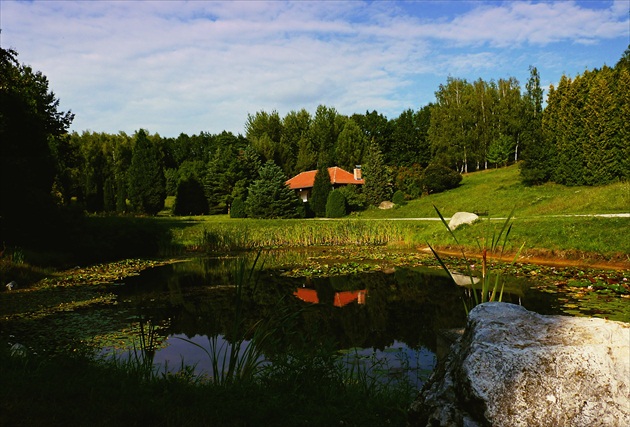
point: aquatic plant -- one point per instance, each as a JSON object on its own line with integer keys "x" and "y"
{"x": 493, "y": 246}
{"x": 238, "y": 355}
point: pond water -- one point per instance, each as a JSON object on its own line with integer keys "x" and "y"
{"x": 383, "y": 321}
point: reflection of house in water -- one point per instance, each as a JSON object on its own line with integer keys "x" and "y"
{"x": 340, "y": 299}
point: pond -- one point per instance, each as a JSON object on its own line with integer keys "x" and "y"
{"x": 376, "y": 311}
{"x": 386, "y": 322}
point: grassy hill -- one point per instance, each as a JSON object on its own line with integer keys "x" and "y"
{"x": 498, "y": 191}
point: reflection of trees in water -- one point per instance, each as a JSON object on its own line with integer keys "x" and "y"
{"x": 406, "y": 306}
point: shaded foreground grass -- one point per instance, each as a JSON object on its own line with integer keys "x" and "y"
{"x": 76, "y": 391}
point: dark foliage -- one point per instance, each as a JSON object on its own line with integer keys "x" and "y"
{"x": 147, "y": 184}
{"x": 31, "y": 130}
{"x": 399, "y": 198}
{"x": 438, "y": 178}
{"x": 336, "y": 206}
{"x": 238, "y": 209}
{"x": 190, "y": 198}
{"x": 321, "y": 189}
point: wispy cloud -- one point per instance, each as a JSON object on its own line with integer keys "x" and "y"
{"x": 173, "y": 66}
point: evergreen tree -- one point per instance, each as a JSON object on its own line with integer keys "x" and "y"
{"x": 237, "y": 209}
{"x": 538, "y": 154}
{"x": 336, "y": 205}
{"x": 603, "y": 126}
{"x": 378, "y": 180}
{"x": 147, "y": 185}
{"x": 190, "y": 198}
{"x": 321, "y": 188}
{"x": 408, "y": 146}
{"x": 500, "y": 150}
{"x": 295, "y": 130}
{"x": 270, "y": 197}
{"x": 376, "y": 128}
{"x": 623, "y": 100}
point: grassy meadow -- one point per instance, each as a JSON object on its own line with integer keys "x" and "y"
{"x": 553, "y": 221}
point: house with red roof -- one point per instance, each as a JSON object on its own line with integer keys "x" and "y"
{"x": 303, "y": 183}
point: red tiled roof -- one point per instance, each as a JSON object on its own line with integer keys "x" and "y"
{"x": 337, "y": 176}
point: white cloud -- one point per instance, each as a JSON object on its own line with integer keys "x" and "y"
{"x": 173, "y": 66}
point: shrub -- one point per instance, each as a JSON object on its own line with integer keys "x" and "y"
{"x": 438, "y": 178}
{"x": 336, "y": 205}
{"x": 399, "y": 198}
{"x": 238, "y": 209}
{"x": 355, "y": 200}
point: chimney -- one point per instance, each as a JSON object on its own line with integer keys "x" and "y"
{"x": 357, "y": 172}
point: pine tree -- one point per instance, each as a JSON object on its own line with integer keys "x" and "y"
{"x": 537, "y": 157}
{"x": 623, "y": 101}
{"x": 602, "y": 152}
{"x": 190, "y": 198}
{"x": 270, "y": 197}
{"x": 321, "y": 188}
{"x": 238, "y": 209}
{"x": 147, "y": 185}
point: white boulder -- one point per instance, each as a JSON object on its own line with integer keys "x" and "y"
{"x": 461, "y": 218}
{"x": 513, "y": 367}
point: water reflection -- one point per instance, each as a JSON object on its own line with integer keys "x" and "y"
{"x": 386, "y": 318}
{"x": 340, "y": 299}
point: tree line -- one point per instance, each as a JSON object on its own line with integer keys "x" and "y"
{"x": 584, "y": 132}
{"x": 581, "y": 137}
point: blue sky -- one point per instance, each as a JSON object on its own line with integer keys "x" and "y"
{"x": 175, "y": 66}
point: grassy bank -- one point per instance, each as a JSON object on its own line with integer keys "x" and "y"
{"x": 543, "y": 220}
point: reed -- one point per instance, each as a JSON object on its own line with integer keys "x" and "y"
{"x": 247, "y": 235}
{"x": 491, "y": 245}
{"x": 242, "y": 359}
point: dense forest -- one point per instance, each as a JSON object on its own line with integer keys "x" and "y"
{"x": 581, "y": 137}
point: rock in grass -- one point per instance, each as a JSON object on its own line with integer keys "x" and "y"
{"x": 386, "y": 205}
{"x": 513, "y": 367}
{"x": 12, "y": 284}
{"x": 461, "y": 218}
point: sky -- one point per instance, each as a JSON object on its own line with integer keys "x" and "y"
{"x": 176, "y": 67}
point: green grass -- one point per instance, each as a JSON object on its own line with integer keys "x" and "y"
{"x": 498, "y": 191}
{"x": 540, "y": 221}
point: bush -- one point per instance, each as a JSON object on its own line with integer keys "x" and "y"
{"x": 399, "y": 198}
{"x": 355, "y": 200}
{"x": 238, "y": 209}
{"x": 438, "y": 178}
{"x": 336, "y": 205}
